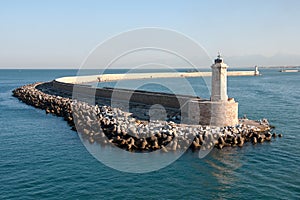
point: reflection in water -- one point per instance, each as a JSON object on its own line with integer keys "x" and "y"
{"x": 218, "y": 170}
{"x": 225, "y": 163}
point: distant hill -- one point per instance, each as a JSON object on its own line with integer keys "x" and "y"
{"x": 276, "y": 61}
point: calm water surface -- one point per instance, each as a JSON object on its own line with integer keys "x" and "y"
{"x": 41, "y": 158}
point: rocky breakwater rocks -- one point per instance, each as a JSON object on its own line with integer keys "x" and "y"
{"x": 53, "y": 104}
{"x": 107, "y": 125}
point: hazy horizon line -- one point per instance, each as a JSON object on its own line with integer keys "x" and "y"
{"x": 74, "y": 68}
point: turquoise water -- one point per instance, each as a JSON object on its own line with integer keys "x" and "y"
{"x": 41, "y": 158}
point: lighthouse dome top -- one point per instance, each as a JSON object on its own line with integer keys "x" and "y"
{"x": 219, "y": 59}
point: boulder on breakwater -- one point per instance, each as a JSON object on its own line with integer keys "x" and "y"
{"x": 107, "y": 125}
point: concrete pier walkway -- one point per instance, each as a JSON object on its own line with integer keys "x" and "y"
{"x": 133, "y": 76}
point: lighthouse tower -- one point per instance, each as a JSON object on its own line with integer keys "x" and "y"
{"x": 223, "y": 110}
{"x": 219, "y": 80}
{"x": 219, "y": 110}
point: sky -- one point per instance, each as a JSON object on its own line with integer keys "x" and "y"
{"x": 62, "y": 33}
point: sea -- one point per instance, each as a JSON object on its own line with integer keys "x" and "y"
{"x": 41, "y": 158}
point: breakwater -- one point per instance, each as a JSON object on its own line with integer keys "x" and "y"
{"x": 192, "y": 109}
{"x": 134, "y": 76}
{"x": 112, "y": 126}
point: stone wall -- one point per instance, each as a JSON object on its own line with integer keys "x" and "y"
{"x": 149, "y": 98}
{"x": 193, "y": 109}
{"x": 219, "y": 113}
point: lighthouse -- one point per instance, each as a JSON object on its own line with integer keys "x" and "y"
{"x": 223, "y": 110}
{"x": 219, "y": 80}
{"x": 219, "y": 110}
